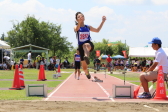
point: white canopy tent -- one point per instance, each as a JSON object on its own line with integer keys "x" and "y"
{"x": 143, "y": 52}
{"x": 4, "y": 45}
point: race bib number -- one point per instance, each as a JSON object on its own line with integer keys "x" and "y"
{"x": 83, "y": 36}
{"x": 77, "y": 58}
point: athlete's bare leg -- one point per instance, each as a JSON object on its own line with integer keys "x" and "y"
{"x": 78, "y": 73}
{"x": 86, "y": 48}
{"x": 75, "y": 73}
{"x": 85, "y": 66}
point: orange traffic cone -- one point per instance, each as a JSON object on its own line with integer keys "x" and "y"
{"x": 59, "y": 71}
{"x": 21, "y": 76}
{"x": 136, "y": 91}
{"x": 41, "y": 74}
{"x": 16, "y": 81}
{"x": 160, "y": 87}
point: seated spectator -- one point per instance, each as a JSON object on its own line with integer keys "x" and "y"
{"x": 1, "y": 68}
{"x": 66, "y": 63}
{"x": 135, "y": 67}
{"x": 4, "y": 66}
{"x": 21, "y": 61}
{"x": 12, "y": 64}
{"x": 103, "y": 65}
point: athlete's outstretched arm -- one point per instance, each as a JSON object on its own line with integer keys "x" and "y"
{"x": 76, "y": 28}
{"x": 100, "y": 26}
{"x": 80, "y": 22}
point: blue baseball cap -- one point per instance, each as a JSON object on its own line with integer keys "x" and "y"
{"x": 155, "y": 40}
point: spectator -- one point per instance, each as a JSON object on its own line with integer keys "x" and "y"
{"x": 51, "y": 65}
{"x": 103, "y": 65}
{"x": 12, "y": 64}
{"x": 98, "y": 64}
{"x": 4, "y": 66}
{"x": 108, "y": 59}
{"x": 66, "y": 63}
{"x": 94, "y": 63}
{"x": 152, "y": 73}
{"x": 1, "y": 67}
{"x": 38, "y": 59}
{"x": 29, "y": 59}
{"x": 21, "y": 61}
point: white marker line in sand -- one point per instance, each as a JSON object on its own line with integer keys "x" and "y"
{"x": 80, "y": 97}
{"x": 152, "y": 108}
{"x": 104, "y": 91}
{"x": 57, "y": 88}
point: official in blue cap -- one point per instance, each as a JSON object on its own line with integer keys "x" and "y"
{"x": 155, "y": 40}
{"x": 152, "y": 72}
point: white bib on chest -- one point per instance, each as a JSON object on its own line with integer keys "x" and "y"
{"x": 83, "y": 36}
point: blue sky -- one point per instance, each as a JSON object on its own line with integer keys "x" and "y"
{"x": 136, "y": 21}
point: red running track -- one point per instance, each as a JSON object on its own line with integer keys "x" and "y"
{"x": 86, "y": 90}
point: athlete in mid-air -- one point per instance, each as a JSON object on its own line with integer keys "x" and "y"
{"x": 84, "y": 40}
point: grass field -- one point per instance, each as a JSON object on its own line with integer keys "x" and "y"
{"x": 132, "y": 77}
{"x": 31, "y": 76}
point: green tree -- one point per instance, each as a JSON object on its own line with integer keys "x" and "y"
{"x": 44, "y": 34}
{"x": 106, "y": 48}
{"x": 2, "y": 37}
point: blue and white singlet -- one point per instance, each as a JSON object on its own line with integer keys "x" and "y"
{"x": 77, "y": 58}
{"x": 83, "y": 35}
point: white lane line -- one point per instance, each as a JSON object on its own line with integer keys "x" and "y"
{"x": 105, "y": 91}
{"x": 57, "y": 88}
{"x": 152, "y": 108}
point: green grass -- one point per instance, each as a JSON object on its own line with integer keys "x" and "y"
{"x": 132, "y": 77}
{"x": 32, "y": 75}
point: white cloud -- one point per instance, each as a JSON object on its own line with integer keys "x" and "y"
{"x": 17, "y": 12}
{"x": 113, "y": 39}
{"x": 94, "y": 15}
{"x": 120, "y": 2}
{"x": 165, "y": 14}
{"x": 160, "y": 2}
{"x": 120, "y": 31}
{"x": 14, "y": 11}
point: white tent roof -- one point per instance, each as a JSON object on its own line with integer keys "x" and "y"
{"x": 143, "y": 52}
{"x": 4, "y": 45}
